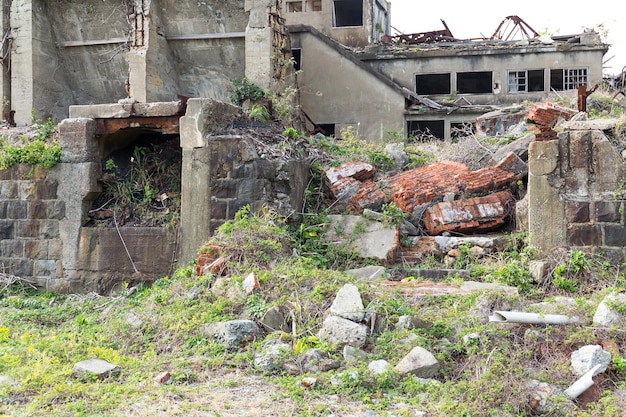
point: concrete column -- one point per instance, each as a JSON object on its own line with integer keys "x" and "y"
{"x": 151, "y": 74}
{"x": 546, "y": 209}
{"x": 259, "y": 48}
{"x": 5, "y": 49}
{"x": 22, "y": 71}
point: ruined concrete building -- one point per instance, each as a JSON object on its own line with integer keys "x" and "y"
{"x": 116, "y": 71}
{"x": 352, "y": 72}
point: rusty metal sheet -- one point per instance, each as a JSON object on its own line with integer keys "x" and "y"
{"x": 167, "y": 125}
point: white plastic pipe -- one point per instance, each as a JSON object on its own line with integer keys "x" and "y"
{"x": 531, "y": 318}
{"x": 582, "y": 384}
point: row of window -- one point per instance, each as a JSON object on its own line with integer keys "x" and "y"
{"x": 518, "y": 81}
{"x": 345, "y": 12}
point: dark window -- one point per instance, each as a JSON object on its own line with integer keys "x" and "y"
{"x": 426, "y": 84}
{"x": 348, "y": 13}
{"x": 314, "y": 5}
{"x": 422, "y": 129}
{"x": 326, "y": 129}
{"x": 480, "y": 82}
{"x": 536, "y": 81}
{"x": 568, "y": 78}
{"x": 294, "y": 6}
{"x": 297, "y": 58}
{"x": 525, "y": 81}
{"x": 462, "y": 129}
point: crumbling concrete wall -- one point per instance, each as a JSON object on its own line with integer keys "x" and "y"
{"x": 224, "y": 172}
{"x": 43, "y": 213}
{"x": 74, "y": 52}
{"x": 575, "y": 190}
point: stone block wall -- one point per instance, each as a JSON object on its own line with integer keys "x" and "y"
{"x": 30, "y": 211}
{"x": 575, "y": 191}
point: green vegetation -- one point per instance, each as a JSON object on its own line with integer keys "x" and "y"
{"x": 43, "y": 150}
{"x": 150, "y": 329}
{"x": 243, "y": 90}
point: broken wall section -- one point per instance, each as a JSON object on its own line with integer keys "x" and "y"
{"x": 575, "y": 190}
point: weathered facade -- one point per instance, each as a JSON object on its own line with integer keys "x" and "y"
{"x": 576, "y": 190}
{"x": 43, "y": 213}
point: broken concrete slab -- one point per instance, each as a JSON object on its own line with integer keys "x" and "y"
{"x": 371, "y": 239}
{"x": 499, "y": 122}
{"x": 97, "y": 368}
{"x": 519, "y": 147}
{"x": 474, "y": 214}
{"x": 593, "y": 124}
{"x": 438, "y": 289}
{"x": 360, "y": 171}
{"x": 368, "y": 272}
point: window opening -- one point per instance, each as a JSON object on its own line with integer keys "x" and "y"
{"x": 313, "y": 5}
{"x": 568, "y": 78}
{"x": 426, "y": 129}
{"x": 348, "y": 13}
{"x": 294, "y": 6}
{"x": 525, "y": 81}
{"x": 426, "y": 84}
{"x": 297, "y": 58}
{"x": 479, "y": 82}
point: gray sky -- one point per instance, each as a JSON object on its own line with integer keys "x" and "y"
{"x": 472, "y": 19}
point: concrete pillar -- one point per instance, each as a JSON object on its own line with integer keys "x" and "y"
{"x": 22, "y": 71}
{"x": 259, "y": 48}
{"x": 546, "y": 209}
{"x": 5, "y": 50}
{"x": 151, "y": 74}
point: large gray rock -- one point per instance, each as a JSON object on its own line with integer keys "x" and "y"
{"x": 232, "y": 334}
{"x": 340, "y": 331}
{"x": 97, "y": 368}
{"x": 274, "y": 320}
{"x": 368, "y": 272}
{"x": 606, "y": 314}
{"x": 418, "y": 362}
{"x": 587, "y": 357}
{"x": 370, "y": 239}
{"x": 546, "y": 399}
{"x": 348, "y": 304}
{"x": 314, "y": 361}
{"x": 271, "y": 357}
{"x": 379, "y": 367}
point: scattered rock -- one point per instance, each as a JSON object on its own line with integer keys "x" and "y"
{"x": 163, "y": 378}
{"x": 606, "y": 314}
{"x": 546, "y": 399}
{"x": 418, "y": 362}
{"x": 271, "y": 357}
{"x": 340, "y": 331}
{"x": 588, "y": 357}
{"x": 348, "y": 304}
{"x": 371, "y": 239}
{"x": 368, "y": 272}
{"x": 97, "y": 368}
{"x": 250, "y": 283}
{"x": 352, "y": 355}
{"x": 134, "y": 320}
{"x": 308, "y": 382}
{"x": 274, "y": 320}
{"x": 379, "y": 367}
{"x": 232, "y": 334}
{"x": 410, "y": 322}
{"x": 539, "y": 271}
{"x": 314, "y": 361}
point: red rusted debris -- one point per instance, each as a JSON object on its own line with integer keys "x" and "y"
{"x": 368, "y": 196}
{"x": 421, "y": 185}
{"x": 583, "y": 93}
{"x": 474, "y": 214}
{"x": 547, "y": 114}
{"x": 345, "y": 180}
{"x": 543, "y": 133}
{"x": 513, "y": 163}
{"x": 210, "y": 261}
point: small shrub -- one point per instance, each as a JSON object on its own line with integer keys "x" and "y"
{"x": 243, "y": 90}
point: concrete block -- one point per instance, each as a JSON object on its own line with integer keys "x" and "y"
{"x": 78, "y": 142}
{"x": 607, "y": 211}
{"x": 101, "y": 111}
{"x": 543, "y": 157}
{"x": 584, "y": 235}
{"x": 8, "y": 189}
{"x": 45, "y": 268}
{"x": 162, "y": 108}
{"x": 16, "y": 209}
{"x": 592, "y": 124}
{"x": 12, "y": 248}
{"x": 577, "y": 211}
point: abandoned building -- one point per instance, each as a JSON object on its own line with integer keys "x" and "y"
{"x": 145, "y": 69}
